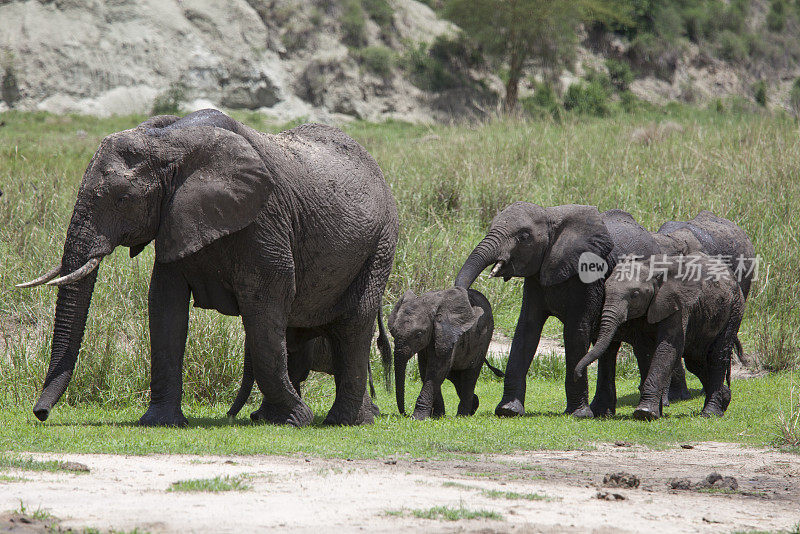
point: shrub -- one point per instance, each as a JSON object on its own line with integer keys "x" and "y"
{"x": 543, "y": 102}
{"x": 776, "y": 16}
{"x": 760, "y": 92}
{"x": 169, "y": 102}
{"x": 732, "y": 47}
{"x": 588, "y": 99}
{"x": 620, "y": 74}
{"x": 628, "y": 101}
{"x": 353, "y": 24}
{"x": 457, "y": 52}
{"x": 376, "y": 59}
{"x": 9, "y": 90}
{"x": 794, "y": 98}
{"x": 426, "y": 72}
{"x": 380, "y": 11}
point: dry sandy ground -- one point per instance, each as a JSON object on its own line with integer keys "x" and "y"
{"x": 303, "y": 494}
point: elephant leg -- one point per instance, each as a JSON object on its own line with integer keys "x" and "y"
{"x": 168, "y": 302}
{"x": 465, "y": 381}
{"x": 678, "y": 390}
{"x": 246, "y": 387}
{"x": 265, "y": 336}
{"x": 718, "y": 364}
{"x": 523, "y": 347}
{"x": 669, "y": 347}
{"x": 350, "y": 347}
{"x": 576, "y": 344}
{"x": 604, "y": 403}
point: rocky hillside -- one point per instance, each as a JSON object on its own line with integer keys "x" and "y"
{"x": 288, "y": 58}
{"x": 322, "y": 60}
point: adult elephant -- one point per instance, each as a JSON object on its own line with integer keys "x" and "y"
{"x": 295, "y": 230}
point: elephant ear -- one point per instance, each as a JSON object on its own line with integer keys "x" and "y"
{"x": 673, "y": 294}
{"x": 158, "y": 121}
{"x": 407, "y": 296}
{"x": 454, "y": 317}
{"x": 220, "y": 186}
{"x": 574, "y": 230}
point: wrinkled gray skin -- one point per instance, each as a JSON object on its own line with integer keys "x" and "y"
{"x": 543, "y": 246}
{"x": 309, "y": 355}
{"x": 706, "y": 233}
{"x": 450, "y": 331}
{"x": 665, "y": 317}
{"x": 290, "y": 231}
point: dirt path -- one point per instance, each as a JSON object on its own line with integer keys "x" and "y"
{"x": 301, "y": 494}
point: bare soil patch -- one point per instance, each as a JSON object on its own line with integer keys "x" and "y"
{"x": 300, "y": 494}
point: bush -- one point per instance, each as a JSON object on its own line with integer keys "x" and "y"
{"x": 620, "y": 74}
{"x": 376, "y": 59}
{"x": 794, "y": 98}
{"x": 776, "y": 16}
{"x": 169, "y": 102}
{"x": 426, "y": 72}
{"x": 353, "y": 24}
{"x": 543, "y": 102}
{"x": 380, "y": 11}
{"x": 732, "y": 47}
{"x": 628, "y": 101}
{"x": 760, "y": 93}
{"x": 458, "y": 53}
{"x": 588, "y": 99}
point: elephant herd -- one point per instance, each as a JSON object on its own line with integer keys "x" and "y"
{"x": 296, "y": 233}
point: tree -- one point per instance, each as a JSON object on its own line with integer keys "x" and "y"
{"x": 521, "y": 33}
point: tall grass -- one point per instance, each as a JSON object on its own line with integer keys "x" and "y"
{"x": 449, "y": 181}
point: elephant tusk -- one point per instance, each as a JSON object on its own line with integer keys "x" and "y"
{"x": 49, "y": 275}
{"x": 74, "y": 276}
{"x": 497, "y": 267}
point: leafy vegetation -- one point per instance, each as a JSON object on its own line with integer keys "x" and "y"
{"x": 455, "y": 514}
{"x": 376, "y": 59}
{"x": 169, "y": 102}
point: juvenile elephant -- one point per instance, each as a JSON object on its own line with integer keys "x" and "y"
{"x": 304, "y": 356}
{"x": 669, "y": 308}
{"x": 290, "y": 231}
{"x": 708, "y": 233}
{"x": 450, "y": 331}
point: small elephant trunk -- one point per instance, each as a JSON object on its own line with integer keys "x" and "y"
{"x": 609, "y": 323}
{"x": 484, "y": 254}
{"x": 400, "y": 364}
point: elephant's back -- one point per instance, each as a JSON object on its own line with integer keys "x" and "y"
{"x": 629, "y": 237}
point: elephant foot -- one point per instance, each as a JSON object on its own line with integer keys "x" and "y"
{"x": 718, "y": 403}
{"x": 644, "y": 413}
{"x": 678, "y": 393}
{"x": 160, "y": 415}
{"x": 298, "y": 415}
{"x": 510, "y": 408}
{"x": 339, "y": 417}
{"x": 475, "y": 404}
{"x": 420, "y": 416}
{"x": 368, "y": 407}
{"x": 583, "y": 412}
{"x": 374, "y": 409}
{"x": 601, "y": 409}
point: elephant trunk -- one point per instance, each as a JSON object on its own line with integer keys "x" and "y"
{"x": 484, "y": 254}
{"x": 400, "y": 363}
{"x": 72, "y": 308}
{"x": 610, "y": 321}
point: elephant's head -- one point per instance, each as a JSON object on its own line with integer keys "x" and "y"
{"x": 526, "y": 240}
{"x": 183, "y": 183}
{"x": 634, "y": 290}
{"x": 435, "y": 319}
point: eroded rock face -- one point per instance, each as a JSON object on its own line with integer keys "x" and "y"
{"x": 283, "y": 57}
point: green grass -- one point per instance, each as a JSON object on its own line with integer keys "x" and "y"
{"x": 448, "y": 513}
{"x": 95, "y": 428}
{"x": 514, "y": 496}
{"x": 212, "y": 485}
{"x": 10, "y": 461}
{"x": 449, "y": 181}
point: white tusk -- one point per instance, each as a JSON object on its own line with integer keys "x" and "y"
{"x": 497, "y": 267}
{"x": 74, "y": 276}
{"x": 49, "y": 275}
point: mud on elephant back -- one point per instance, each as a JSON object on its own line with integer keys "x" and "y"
{"x": 294, "y": 230}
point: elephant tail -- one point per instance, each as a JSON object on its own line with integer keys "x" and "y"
{"x": 245, "y": 388}
{"x": 494, "y": 369}
{"x": 386, "y": 351}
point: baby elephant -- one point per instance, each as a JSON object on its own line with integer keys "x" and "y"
{"x": 668, "y": 307}
{"x": 450, "y": 331}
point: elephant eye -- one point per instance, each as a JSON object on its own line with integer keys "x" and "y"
{"x": 523, "y": 236}
{"x": 636, "y": 293}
